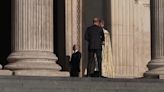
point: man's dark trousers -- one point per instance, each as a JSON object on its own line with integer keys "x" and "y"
{"x": 91, "y": 62}
{"x": 94, "y": 35}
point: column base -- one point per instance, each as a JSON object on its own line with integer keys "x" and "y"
{"x": 155, "y": 73}
{"x": 38, "y": 64}
{"x": 34, "y": 64}
{"x": 156, "y": 68}
{"x": 49, "y": 73}
{"x": 161, "y": 77}
{"x": 6, "y": 73}
{"x": 24, "y": 60}
{"x": 151, "y": 75}
{"x": 0, "y": 66}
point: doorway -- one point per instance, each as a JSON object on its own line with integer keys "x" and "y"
{"x": 59, "y": 32}
{"x": 5, "y": 33}
{"x": 60, "y": 20}
{"x": 91, "y": 9}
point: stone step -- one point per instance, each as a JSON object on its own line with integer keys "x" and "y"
{"x": 76, "y": 90}
{"x": 50, "y": 84}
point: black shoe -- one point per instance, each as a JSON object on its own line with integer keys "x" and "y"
{"x": 92, "y": 75}
{"x": 102, "y": 77}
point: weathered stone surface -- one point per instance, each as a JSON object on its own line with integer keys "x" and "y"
{"x": 6, "y": 73}
{"x": 129, "y": 21}
{"x": 33, "y": 64}
{"x": 41, "y": 73}
{"x": 52, "y": 84}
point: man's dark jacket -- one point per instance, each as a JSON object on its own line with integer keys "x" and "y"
{"x": 95, "y": 36}
{"x": 75, "y": 62}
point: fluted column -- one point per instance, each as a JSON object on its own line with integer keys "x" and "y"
{"x": 32, "y": 39}
{"x": 156, "y": 65}
{"x": 129, "y": 23}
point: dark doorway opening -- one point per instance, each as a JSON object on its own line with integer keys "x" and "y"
{"x": 59, "y": 32}
{"x": 5, "y": 30}
{"x": 94, "y": 8}
{"x": 91, "y": 9}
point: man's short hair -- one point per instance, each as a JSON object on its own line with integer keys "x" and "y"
{"x": 96, "y": 19}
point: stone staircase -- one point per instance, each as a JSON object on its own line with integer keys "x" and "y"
{"x": 50, "y": 84}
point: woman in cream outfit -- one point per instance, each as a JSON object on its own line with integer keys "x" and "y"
{"x": 107, "y": 62}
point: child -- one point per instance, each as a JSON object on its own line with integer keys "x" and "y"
{"x": 75, "y": 62}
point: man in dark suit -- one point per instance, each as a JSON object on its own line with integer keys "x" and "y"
{"x": 94, "y": 35}
{"x": 75, "y": 62}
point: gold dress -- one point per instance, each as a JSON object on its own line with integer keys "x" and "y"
{"x": 107, "y": 62}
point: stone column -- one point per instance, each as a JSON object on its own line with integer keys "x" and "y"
{"x": 32, "y": 39}
{"x": 156, "y": 65}
{"x": 129, "y": 23}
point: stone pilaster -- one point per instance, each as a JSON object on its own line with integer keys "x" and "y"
{"x": 129, "y": 23}
{"x": 156, "y": 65}
{"x": 68, "y": 25}
{"x": 73, "y": 24}
{"x": 32, "y": 39}
{"x": 76, "y": 21}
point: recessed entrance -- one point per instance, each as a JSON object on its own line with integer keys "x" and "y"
{"x": 5, "y": 31}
